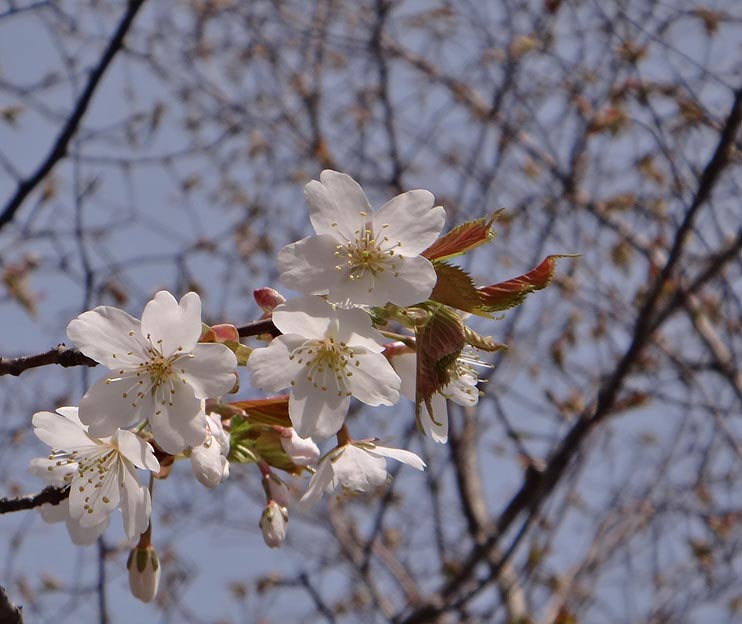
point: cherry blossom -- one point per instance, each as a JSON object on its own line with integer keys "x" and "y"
{"x": 359, "y": 466}
{"x": 160, "y": 372}
{"x": 325, "y": 355}
{"x": 101, "y": 473}
{"x": 301, "y": 451}
{"x": 273, "y": 523}
{"x": 461, "y": 389}
{"x": 144, "y": 573}
{"x": 362, "y": 256}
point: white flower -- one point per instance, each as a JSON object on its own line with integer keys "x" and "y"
{"x": 273, "y": 524}
{"x": 461, "y": 389}
{"x": 144, "y": 573}
{"x": 358, "y": 466}
{"x": 161, "y": 374}
{"x": 209, "y": 459}
{"x": 325, "y": 355}
{"x": 101, "y": 473}
{"x": 361, "y": 256}
{"x": 301, "y": 451}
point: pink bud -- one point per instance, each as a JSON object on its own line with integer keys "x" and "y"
{"x": 268, "y": 298}
{"x": 144, "y": 573}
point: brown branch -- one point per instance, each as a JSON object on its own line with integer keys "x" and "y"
{"x": 9, "y": 613}
{"x": 50, "y": 494}
{"x": 61, "y": 355}
{"x": 65, "y": 356}
{"x": 59, "y": 149}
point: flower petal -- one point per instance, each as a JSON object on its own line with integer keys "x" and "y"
{"x": 52, "y": 470}
{"x": 209, "y": 370}
{"x": 374, "y": 381}
{"x": 319, "y": 483}
{"x": 109, "y": 336}
{"x": 401, "y": 455}
{"x": 309, "y": 317}
{"x": 136, "y": 505}
{"x": 60, "y": 432}
{"x": 355, "y": 329}
{"x": 271, "y": 368}
{"x": 411, "y": 283}
{"x": 135, "y": 450}
{"x": 411, "y": 220}
{"x": 359, "y": 470}
{"x": 315, "y": 413}
{"x": 435, "y": 426}
{"x": 111, "y": 403}
{"x": 178, "y": 422}
{"x": 308, "y": 265}
{"x": 335, "y": 205}
{"x": 172, "y": 326}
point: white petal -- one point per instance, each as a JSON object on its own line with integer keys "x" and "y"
{"x": 401, "y": 455}
{"x": 60, "y": 432}
{"x": 309, "y": 317}
{"x": 109, "y": 336}
{"x": 374, "y": 381}
{"x": 315, "y": 413}
{"x": 271, "y": 368}
{"x": 209, "y": 370}
{"x": 51, "y": 471}
{"x": 172, "y": 326}
{"x": 136, "y": 450}
{"x": 319, "y": 483}
{"x": 359, "y": 470}
{"x": 406, "y": 366}
{"x": 90, "y": 502}
{"x": 179, "y": 422}
{"x": 52, "y": 514}
{"x": 111, "y": 404}
{"x": 435, "y": 426}
{"x": 337, "y": 199}
{"x": 355, "y": 329}
{"x": 411, "y": 220}
{"x": 361, "y": 290}
{"x": 414, "y": 281}
{"x": 136, "y": 504}
{"x": 86, "y": 535}
{"x": 301, "y": 451}
{"x": 308, "y": 265}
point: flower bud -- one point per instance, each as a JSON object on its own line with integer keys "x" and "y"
{"x": 209, "y": 459}
{"x": 277, "y": 490}
{"x": 273, "y": 524}
{"x": 144, "y": 573}
{"x": 302, "y": 451}
{"x": 268, "y": 298}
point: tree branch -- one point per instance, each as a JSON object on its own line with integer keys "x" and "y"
{"x": 50, "y": 494}
{"x": 59, "y": 149}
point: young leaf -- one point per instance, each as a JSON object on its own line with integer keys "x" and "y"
{"x": 462, "y": 238}
{"x": 455, "y": 288}
{"x": 511, "y": 293}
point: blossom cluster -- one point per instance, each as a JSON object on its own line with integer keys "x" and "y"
{"x": 380, "y": 315}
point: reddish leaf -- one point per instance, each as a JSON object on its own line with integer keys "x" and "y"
{"x": 462, "y": 238}
{"x": 455, "y": 288}
{"x": 511, "y": 293}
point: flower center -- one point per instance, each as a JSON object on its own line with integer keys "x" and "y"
{"x": 368, "y": 252}
{"x": 326, "y": 363}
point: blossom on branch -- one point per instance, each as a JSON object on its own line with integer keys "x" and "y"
{"x": 325, "y": 356}
{"x": 358, "y": 466}
{"x": 101, "y": 473}
{"x": 362, "y": 256}
{"x": 209, "y": 459}
{"x": 160, "y": 372}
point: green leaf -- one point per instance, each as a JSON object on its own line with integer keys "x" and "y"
{"x": 511, "y": 293}
{"x": 241, "y": 351}
{"x": 462, "y": 238}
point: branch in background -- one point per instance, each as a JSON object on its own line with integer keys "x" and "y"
{"x": 59, "y": 149}
{"x": 50, "y": 494}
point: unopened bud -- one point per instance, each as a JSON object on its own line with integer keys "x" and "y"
{"x": 273, "y": 524}
{"x": 277, "y": 490}
{"x": 268, "y": 298}
{"x": 144, "y": 573}
{"x": 301, "y": 451}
